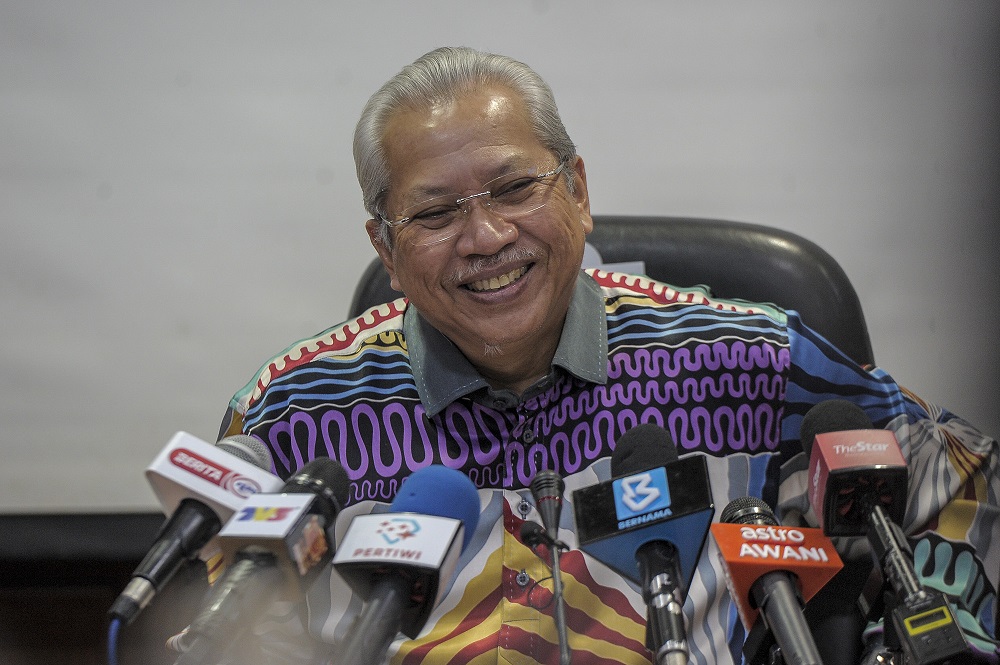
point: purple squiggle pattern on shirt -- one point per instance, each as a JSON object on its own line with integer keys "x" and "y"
{"x": 715, "y": 397}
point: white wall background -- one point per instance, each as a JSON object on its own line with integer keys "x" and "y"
{"x": 178, "y": 202}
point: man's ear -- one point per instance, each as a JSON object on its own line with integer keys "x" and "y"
{"x": 580, "y": 193}
{"x": 384, "y": 253}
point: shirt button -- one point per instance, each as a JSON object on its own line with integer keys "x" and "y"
{"x": 522, "y": 579}
{"x": 528, "y": 436}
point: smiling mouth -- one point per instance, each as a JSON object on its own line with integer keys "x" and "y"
{"x": 496, "y": 283}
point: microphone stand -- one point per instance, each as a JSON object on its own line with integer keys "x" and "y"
{"x": 373, "y": 631}
{"x": 547, "y": 489}
{"x": 560, "y": 609}
{"x": 918, "y": 620}
{"x": 533, "y": 535}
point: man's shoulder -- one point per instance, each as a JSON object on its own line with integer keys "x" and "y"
{"x": 624, "y": 289}
{"x": 377, "y": 330}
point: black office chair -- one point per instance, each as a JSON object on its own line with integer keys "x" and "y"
{"x": 735, "y": 259}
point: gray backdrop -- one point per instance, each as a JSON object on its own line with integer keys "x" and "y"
{"x": 178, "y": 201}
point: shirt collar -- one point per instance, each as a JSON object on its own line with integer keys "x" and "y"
{"x": 442, "y": 374}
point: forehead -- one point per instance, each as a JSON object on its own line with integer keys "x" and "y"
{"x": 460, "y": 141}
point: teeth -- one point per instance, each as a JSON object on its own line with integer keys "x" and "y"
{"x": 495, "y": 283}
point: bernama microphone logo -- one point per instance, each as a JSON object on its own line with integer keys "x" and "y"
{"x": 207, "y": 470}
{"x": 641, "y": 497}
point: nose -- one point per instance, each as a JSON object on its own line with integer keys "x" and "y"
{"x": 483, "y": 231}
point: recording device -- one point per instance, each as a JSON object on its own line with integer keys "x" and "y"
{"x": 401, "y": 562}
{"x": 858, "y": 486}
{"x": 771, "y": 571}
{"x": 547, "y": 488}
{"x": 649, "y": 523}
{"x": 199, "y": 485}
{"x": 275, "y": 545}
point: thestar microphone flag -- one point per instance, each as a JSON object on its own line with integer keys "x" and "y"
{"x": 649, "y": 523}
{"x": 774, "y": 570}
{"x": 199, "y": 485}
{"x": 858, "y": 483}
{"x": 402, "y": 561}
{"x": 852, "y": 468}
{"x": 276, "y": 546}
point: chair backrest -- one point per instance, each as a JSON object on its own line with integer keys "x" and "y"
{"x": 734, "y": 259}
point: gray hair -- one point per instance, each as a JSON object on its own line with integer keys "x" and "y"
{"x": 442, "y": 75}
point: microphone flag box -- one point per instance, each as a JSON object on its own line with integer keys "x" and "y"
{"x": 289, "y": 526}
{"x": 423, "y": 548}
{"x": 671, "y": 503}
{"x": 852, "y": 471}
{"x": 189, "y": 467}
{"x": 748, "y": 551}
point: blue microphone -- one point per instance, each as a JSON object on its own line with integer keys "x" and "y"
{"x": 401, "y": 562}
{"x": 649, "y": 523}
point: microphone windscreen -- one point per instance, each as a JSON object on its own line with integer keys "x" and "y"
{"x": 324, "y": 477}
{"x": 834, "y": 415}
{"x": 438, "y": 490}
{"x": 644, "y": 447}
{"x": 247, "y": 449}
{"x": 748, "y": 510}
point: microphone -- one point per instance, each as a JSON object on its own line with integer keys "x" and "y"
{"x": 401, "y": 562}
{"x": 547, "y": 488}
{"x": 276, "y": 546}
{"x": 200, "y": 486}
{"x": 858, "y": 481}
{"x": 649, "y": 523}
{"x": 771, "y": 570}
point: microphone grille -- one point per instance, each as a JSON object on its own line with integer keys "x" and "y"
{"x": 833, "y": 415}
{"x": 547, "y": 484}
{"x": 644, "y": 447}
{"x": 748, "y": 510}
{"x": 324, "y": 477}
{"x": 247, "y": 449}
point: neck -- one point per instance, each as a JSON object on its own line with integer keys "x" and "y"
{"x": 512, "y": 366}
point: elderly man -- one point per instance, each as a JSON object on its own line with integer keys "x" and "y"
{"x": 504, "y": 359}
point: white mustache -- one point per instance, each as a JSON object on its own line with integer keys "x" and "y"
{"x": 485, "y": 263}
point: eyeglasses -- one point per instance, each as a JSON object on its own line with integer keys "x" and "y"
{"x": 511, "y": 196}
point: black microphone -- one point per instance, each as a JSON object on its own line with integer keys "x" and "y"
{"x": 649, "y": 523}
{"x": 275, "y": 547}
{"x": 762, "y": 575}
{"x": 401, "y": 562}
{"x": 202, "y": 484}
{"x": 547, "y": 488}
{"x": 858, "y": 484}
{"x": 642, "y": 448}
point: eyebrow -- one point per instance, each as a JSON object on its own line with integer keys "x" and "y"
{"x": 421, "y": 194}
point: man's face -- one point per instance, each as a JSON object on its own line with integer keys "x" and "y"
{"x": 496, "y": 283}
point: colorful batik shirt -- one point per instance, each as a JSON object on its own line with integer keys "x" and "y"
{"x": 386, "y": 395}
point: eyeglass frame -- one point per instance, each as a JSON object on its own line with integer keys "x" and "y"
{"x": 460, "y": 201}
